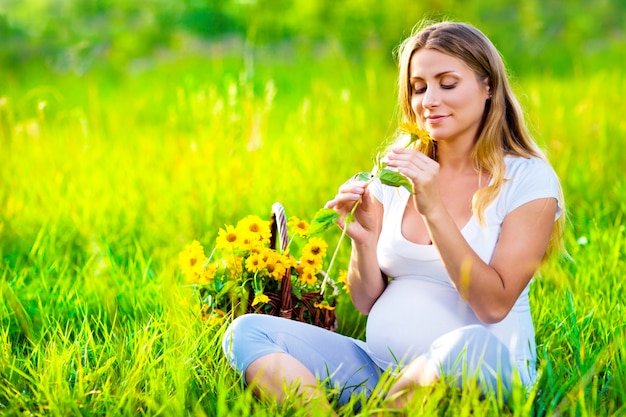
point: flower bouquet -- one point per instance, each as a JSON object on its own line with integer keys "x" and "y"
{"x": 253, "y": 268}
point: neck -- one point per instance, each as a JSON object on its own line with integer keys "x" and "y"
{"x": 454, "y": 158}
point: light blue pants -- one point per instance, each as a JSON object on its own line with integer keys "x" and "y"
{"x": 469, "y": 352}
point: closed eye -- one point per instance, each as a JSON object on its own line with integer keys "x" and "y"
{"x": 422, "y": 90}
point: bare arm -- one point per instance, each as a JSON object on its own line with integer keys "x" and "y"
{"x": 492, "y": 289}
{"x": 365, "y": 280}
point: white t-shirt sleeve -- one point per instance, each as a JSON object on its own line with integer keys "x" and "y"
{"x": 376, "y": 188}
{"x": 528, "y": 180}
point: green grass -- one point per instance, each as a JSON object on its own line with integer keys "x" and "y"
{"x": 103, "y": 186}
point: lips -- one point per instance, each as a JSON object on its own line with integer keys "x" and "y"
{"x": 436, "y": 119}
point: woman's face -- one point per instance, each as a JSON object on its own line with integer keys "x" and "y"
{"x": 446, "y": 96}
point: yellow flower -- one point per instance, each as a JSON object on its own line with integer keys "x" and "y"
{"x": 256, "y": 229}
{"x": 191, "y": 260}
{"x": 208, "y": 273}
{"x": 323, "y": 304}
{"x": 315, "y": 247}
{"x": 215, "y": 317}
{"x": 246, "y": 242}
{"x": 228, "y": 238}
{"x": 288, "y": 260}
{"x": 299, "y": 227}
{"x": 269, "y": 255}
{"x": 260, "y": 298}
{"x": 343, "y": 279}
{"x": 311, "y": 262}
{"x": 276, "y": 264}
{"x": 278, "y": 271}
{"x": 255, "y": 263}
{"x": 270, "y": 264}
{"x": 308, "y": 277}
{"x": 234, "y": 265}
{"x": 416, "y": 132}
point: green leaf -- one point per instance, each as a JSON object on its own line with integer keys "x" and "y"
{"x": 322, "y": 220}
{"x": 394, "y": 179}
{"x": 295, "y": 288}
{"x": 224, "y": 288}
{"x": 362, "y": 176}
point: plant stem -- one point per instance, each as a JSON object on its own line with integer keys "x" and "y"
{"x": 343, "y": 235}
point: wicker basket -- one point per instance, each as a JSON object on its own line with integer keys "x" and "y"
{"x": 286, "y": 304}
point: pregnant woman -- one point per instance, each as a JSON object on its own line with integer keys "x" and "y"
{"x": 443, "y": 271}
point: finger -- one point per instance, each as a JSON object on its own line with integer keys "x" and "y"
{"x": 350, "y": 190}
{"x": 406, "y": 167}
{"x": 395, "y": 158}
{"x": 331, "y": 203}
{"x": 413, "y": 158}
{"x": 341, "y": 222}
{"x": 349, "y": 195}
{"x": 401, "y": 153}
{"x": 352, "y": 187}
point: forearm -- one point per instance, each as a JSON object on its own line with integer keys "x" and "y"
{"x": 365, "y": 279}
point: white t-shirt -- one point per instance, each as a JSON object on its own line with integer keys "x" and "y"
{"x": 421, "y": 303}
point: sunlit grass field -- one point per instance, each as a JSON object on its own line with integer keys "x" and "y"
{"x": 105, "y": 178}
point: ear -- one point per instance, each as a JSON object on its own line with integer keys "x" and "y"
{"x": 487, "y": 88}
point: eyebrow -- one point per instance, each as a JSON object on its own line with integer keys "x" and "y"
{"x": 440, "y": 75}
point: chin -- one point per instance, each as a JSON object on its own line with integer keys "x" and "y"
{"x": 437, "y": 137}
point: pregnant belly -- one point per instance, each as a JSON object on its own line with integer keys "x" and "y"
{"x": 409, "y": 315}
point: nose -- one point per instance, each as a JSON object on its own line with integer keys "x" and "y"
{"x": 431, "y": 98}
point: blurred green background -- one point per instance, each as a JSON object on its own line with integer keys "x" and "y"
{"x": 65, "y": 36}
{"x": 127, "y": 129}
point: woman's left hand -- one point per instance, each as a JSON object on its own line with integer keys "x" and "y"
{"x": 422, "y": 172}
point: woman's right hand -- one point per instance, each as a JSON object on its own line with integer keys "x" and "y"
{"x": 365, "y": 279}
{"x": 364, "y": 225}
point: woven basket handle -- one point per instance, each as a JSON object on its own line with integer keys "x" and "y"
{"x": 279, "y": 240}
{"x": 278, "y": 223}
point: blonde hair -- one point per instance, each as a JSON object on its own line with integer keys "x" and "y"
{"x": 502, "y": 131}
